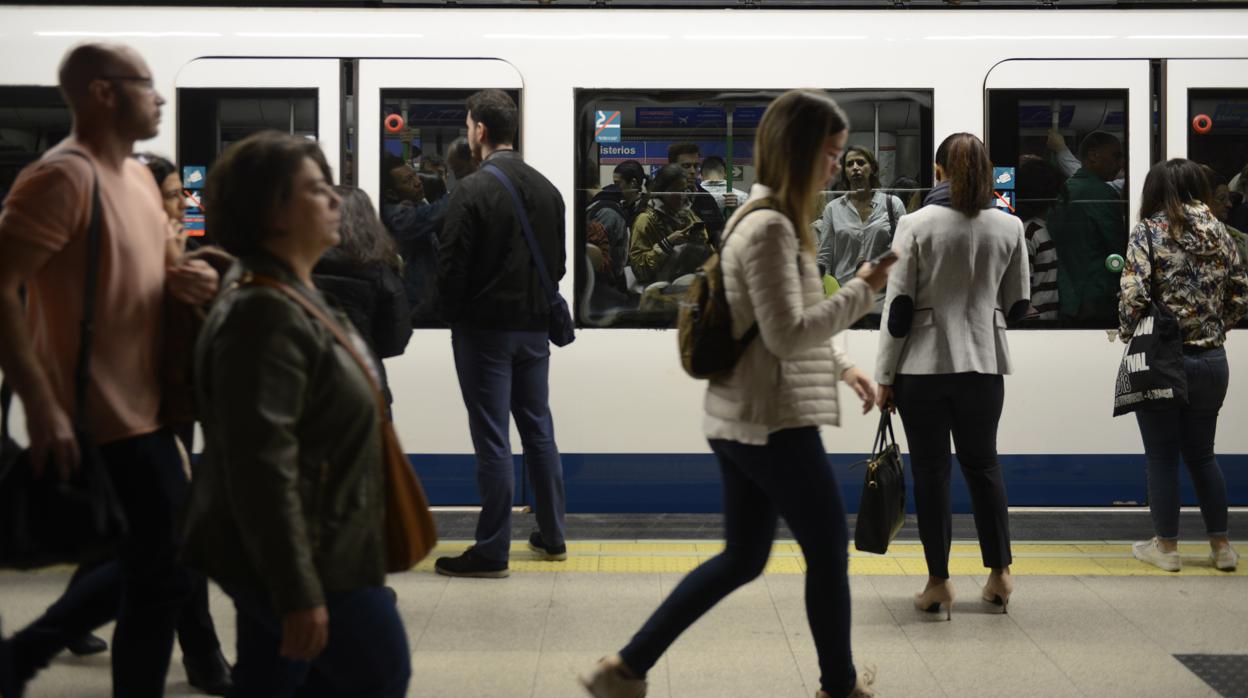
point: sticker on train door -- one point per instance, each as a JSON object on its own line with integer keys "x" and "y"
{"x": 607, "y": 126}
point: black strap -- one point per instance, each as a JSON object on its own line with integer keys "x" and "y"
{"x": 892, "y": 216}
{"x": 884, "y": 435}
{"x": 534, "y": 250}
{"x": 82, "y": 373}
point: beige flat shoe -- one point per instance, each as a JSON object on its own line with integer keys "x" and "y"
{"x": 608, "y": 680}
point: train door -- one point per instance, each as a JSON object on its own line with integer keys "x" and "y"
{"x": 1207, "y": 121}
{"x": 220, "y": 101}
{"x": 1071, "y": 141}
{"x": 409, "y": 154}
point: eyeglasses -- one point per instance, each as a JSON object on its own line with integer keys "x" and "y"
{"x": 144, "y": 82}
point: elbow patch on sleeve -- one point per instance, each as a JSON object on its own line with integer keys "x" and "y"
{"x": 900, "y": 315}
{"x": 1018, "y": 311}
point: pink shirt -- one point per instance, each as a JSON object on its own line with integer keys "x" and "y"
{"x": 49, "y": 207}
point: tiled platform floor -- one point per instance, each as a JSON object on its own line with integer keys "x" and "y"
{"x": 1068, "y": 633}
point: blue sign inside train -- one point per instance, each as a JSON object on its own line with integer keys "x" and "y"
{"x": 696, "y": 117}
{"x": 655, "y": 152}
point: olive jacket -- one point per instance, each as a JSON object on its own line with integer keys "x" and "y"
{"x": 287, "y": 498}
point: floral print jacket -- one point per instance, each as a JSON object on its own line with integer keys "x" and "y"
{"x": 1200, "y": 277}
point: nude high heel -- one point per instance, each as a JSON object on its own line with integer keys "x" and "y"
{"x": 998, "y": 589}
{"x": 611, "y": 679}
{"x": 934, "y": 598}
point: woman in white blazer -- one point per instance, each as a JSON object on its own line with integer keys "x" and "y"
{"x": 943, "y": 352}
{"x": 762, "y": 420}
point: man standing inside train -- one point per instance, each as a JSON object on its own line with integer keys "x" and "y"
{"x": 499, "y": 313}
{"x": 705, "y": 207}
{"x": 43, "y": 245}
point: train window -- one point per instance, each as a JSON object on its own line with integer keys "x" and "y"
{"x": 32, "y": 119}
{"x": 210, "y": 120}
{"x": 1217, "y": 128}
{"x": 423, "y": 154}
{"x": 642, "y": 155}
{"x": 1061, "y": 158}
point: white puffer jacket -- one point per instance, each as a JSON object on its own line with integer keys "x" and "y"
{"x": 787, "y": 376}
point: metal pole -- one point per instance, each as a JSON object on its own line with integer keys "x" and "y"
{"x": 290, "y": 103}
{"x": 877, "y": 130}
{"x": 728, "y": 156}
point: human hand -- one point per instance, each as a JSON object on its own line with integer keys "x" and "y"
{"x": 676, "y": 239}
{"x": 52, "y": 440}
{"x": 1054, "y": 141}
{"x": 194, "y": 282}
{"x": 862, "y": 386}
{"x": 885, "y": 399}
{"x": 730, "y": 201}
{"x": 304, "y": 634}
{"x": 876, "y": 275}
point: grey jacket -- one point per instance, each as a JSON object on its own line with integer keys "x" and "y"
{"x": 951, "y": 292}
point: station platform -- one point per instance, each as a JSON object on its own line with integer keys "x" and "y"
{"x": 1086, "y": 618}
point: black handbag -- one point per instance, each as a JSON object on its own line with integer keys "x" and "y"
{"x": 44, "y": 520}
{"x": 562, "y": 328}
{"x": 882, "y": 507}
{"x": 1151, "y": 375}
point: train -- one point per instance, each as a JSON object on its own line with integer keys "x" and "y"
{"x": 1168, "y": 82}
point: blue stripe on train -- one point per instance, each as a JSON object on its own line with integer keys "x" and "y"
{"x": 689, "y": 483}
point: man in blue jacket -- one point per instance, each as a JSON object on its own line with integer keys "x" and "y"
{"x": 500, "y": 317}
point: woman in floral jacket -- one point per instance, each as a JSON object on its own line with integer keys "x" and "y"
{"x": 1199, "y": 276}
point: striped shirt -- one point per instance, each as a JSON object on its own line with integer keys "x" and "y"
{"x": 1042, "y": 259}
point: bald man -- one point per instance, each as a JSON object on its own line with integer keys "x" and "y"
{"x": 43, "y": 245}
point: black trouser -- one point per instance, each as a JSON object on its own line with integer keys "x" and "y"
{"x": 102, "y": 580}
{"x": 789, "y": 477}
{"x": 968, "y": 405}
{"x": 147, "y": 474}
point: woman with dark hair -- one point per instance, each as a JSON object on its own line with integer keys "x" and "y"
{"x": 762, "y": 420}
{"x": 668, "y": 239}
{"x": 1198, "y": 275}
{"x": 943, "y": 353}
{"x": 286, "y": 510}
{"x": 362, "y": 275}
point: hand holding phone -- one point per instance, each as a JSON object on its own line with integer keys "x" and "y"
{"x": 889, "y": 255}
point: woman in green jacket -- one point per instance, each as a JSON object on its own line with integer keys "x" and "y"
{"x": 286, "y": 507}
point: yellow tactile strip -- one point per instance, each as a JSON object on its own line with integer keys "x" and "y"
{"x": 1094, "y": 558}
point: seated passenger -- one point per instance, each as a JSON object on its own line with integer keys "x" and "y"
{"x": 362, "y": 276}
{"x": 606, "y": 212}
{"x": 688, "y": 157}
{"x": 414, "y": 221}
{"x": 1088, "y": 223}
{"x": 1038, "y": 184}
{"x": 668, "y": 240}
{"x": 715, "y": 181}
{"x": 858, "y": 226}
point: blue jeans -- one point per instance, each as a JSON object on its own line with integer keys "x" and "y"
{"x": 367, "y": 655}
{"x": 1188, "y": 432}
{"x": 501, "y": 372}
{"x": 147, "y": 475}
{"x": 789, "y": 477}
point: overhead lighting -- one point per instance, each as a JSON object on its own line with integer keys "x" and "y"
{"x": 580, "y": 37}
{"x": 326, "y": 35}
{"x": 131, "y": 34}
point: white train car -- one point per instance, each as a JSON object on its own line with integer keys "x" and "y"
{"x": 627, "y": 418}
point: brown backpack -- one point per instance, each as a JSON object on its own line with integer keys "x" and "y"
{"x": 704, "y": 324}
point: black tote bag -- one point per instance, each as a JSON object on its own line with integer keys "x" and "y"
{"x": 1151, "y": 375}
{"x": 882, "y": 507}
{"x": 44, "y": 520}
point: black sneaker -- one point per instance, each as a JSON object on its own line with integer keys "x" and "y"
{"x": 209, "y": 672}
{"x": 555, "y": 553}
{"x": 470, "y": 564}
{"x": 86, "y": 645}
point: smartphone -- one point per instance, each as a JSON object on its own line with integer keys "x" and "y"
{"x": 887, "y": 256}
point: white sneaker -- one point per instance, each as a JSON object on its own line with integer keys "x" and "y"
{"x": 1149, "y": 551}
{"x": 1225, "y": 559}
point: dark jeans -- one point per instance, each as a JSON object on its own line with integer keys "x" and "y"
{"x": 968, "y": 405}
{"x": 147, "y": 474}
{"x": 1188, "y": 432}
{"x": 367, "y": 654}
{"x": 789, "y": 477}
{"x": 501, "y": 372}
